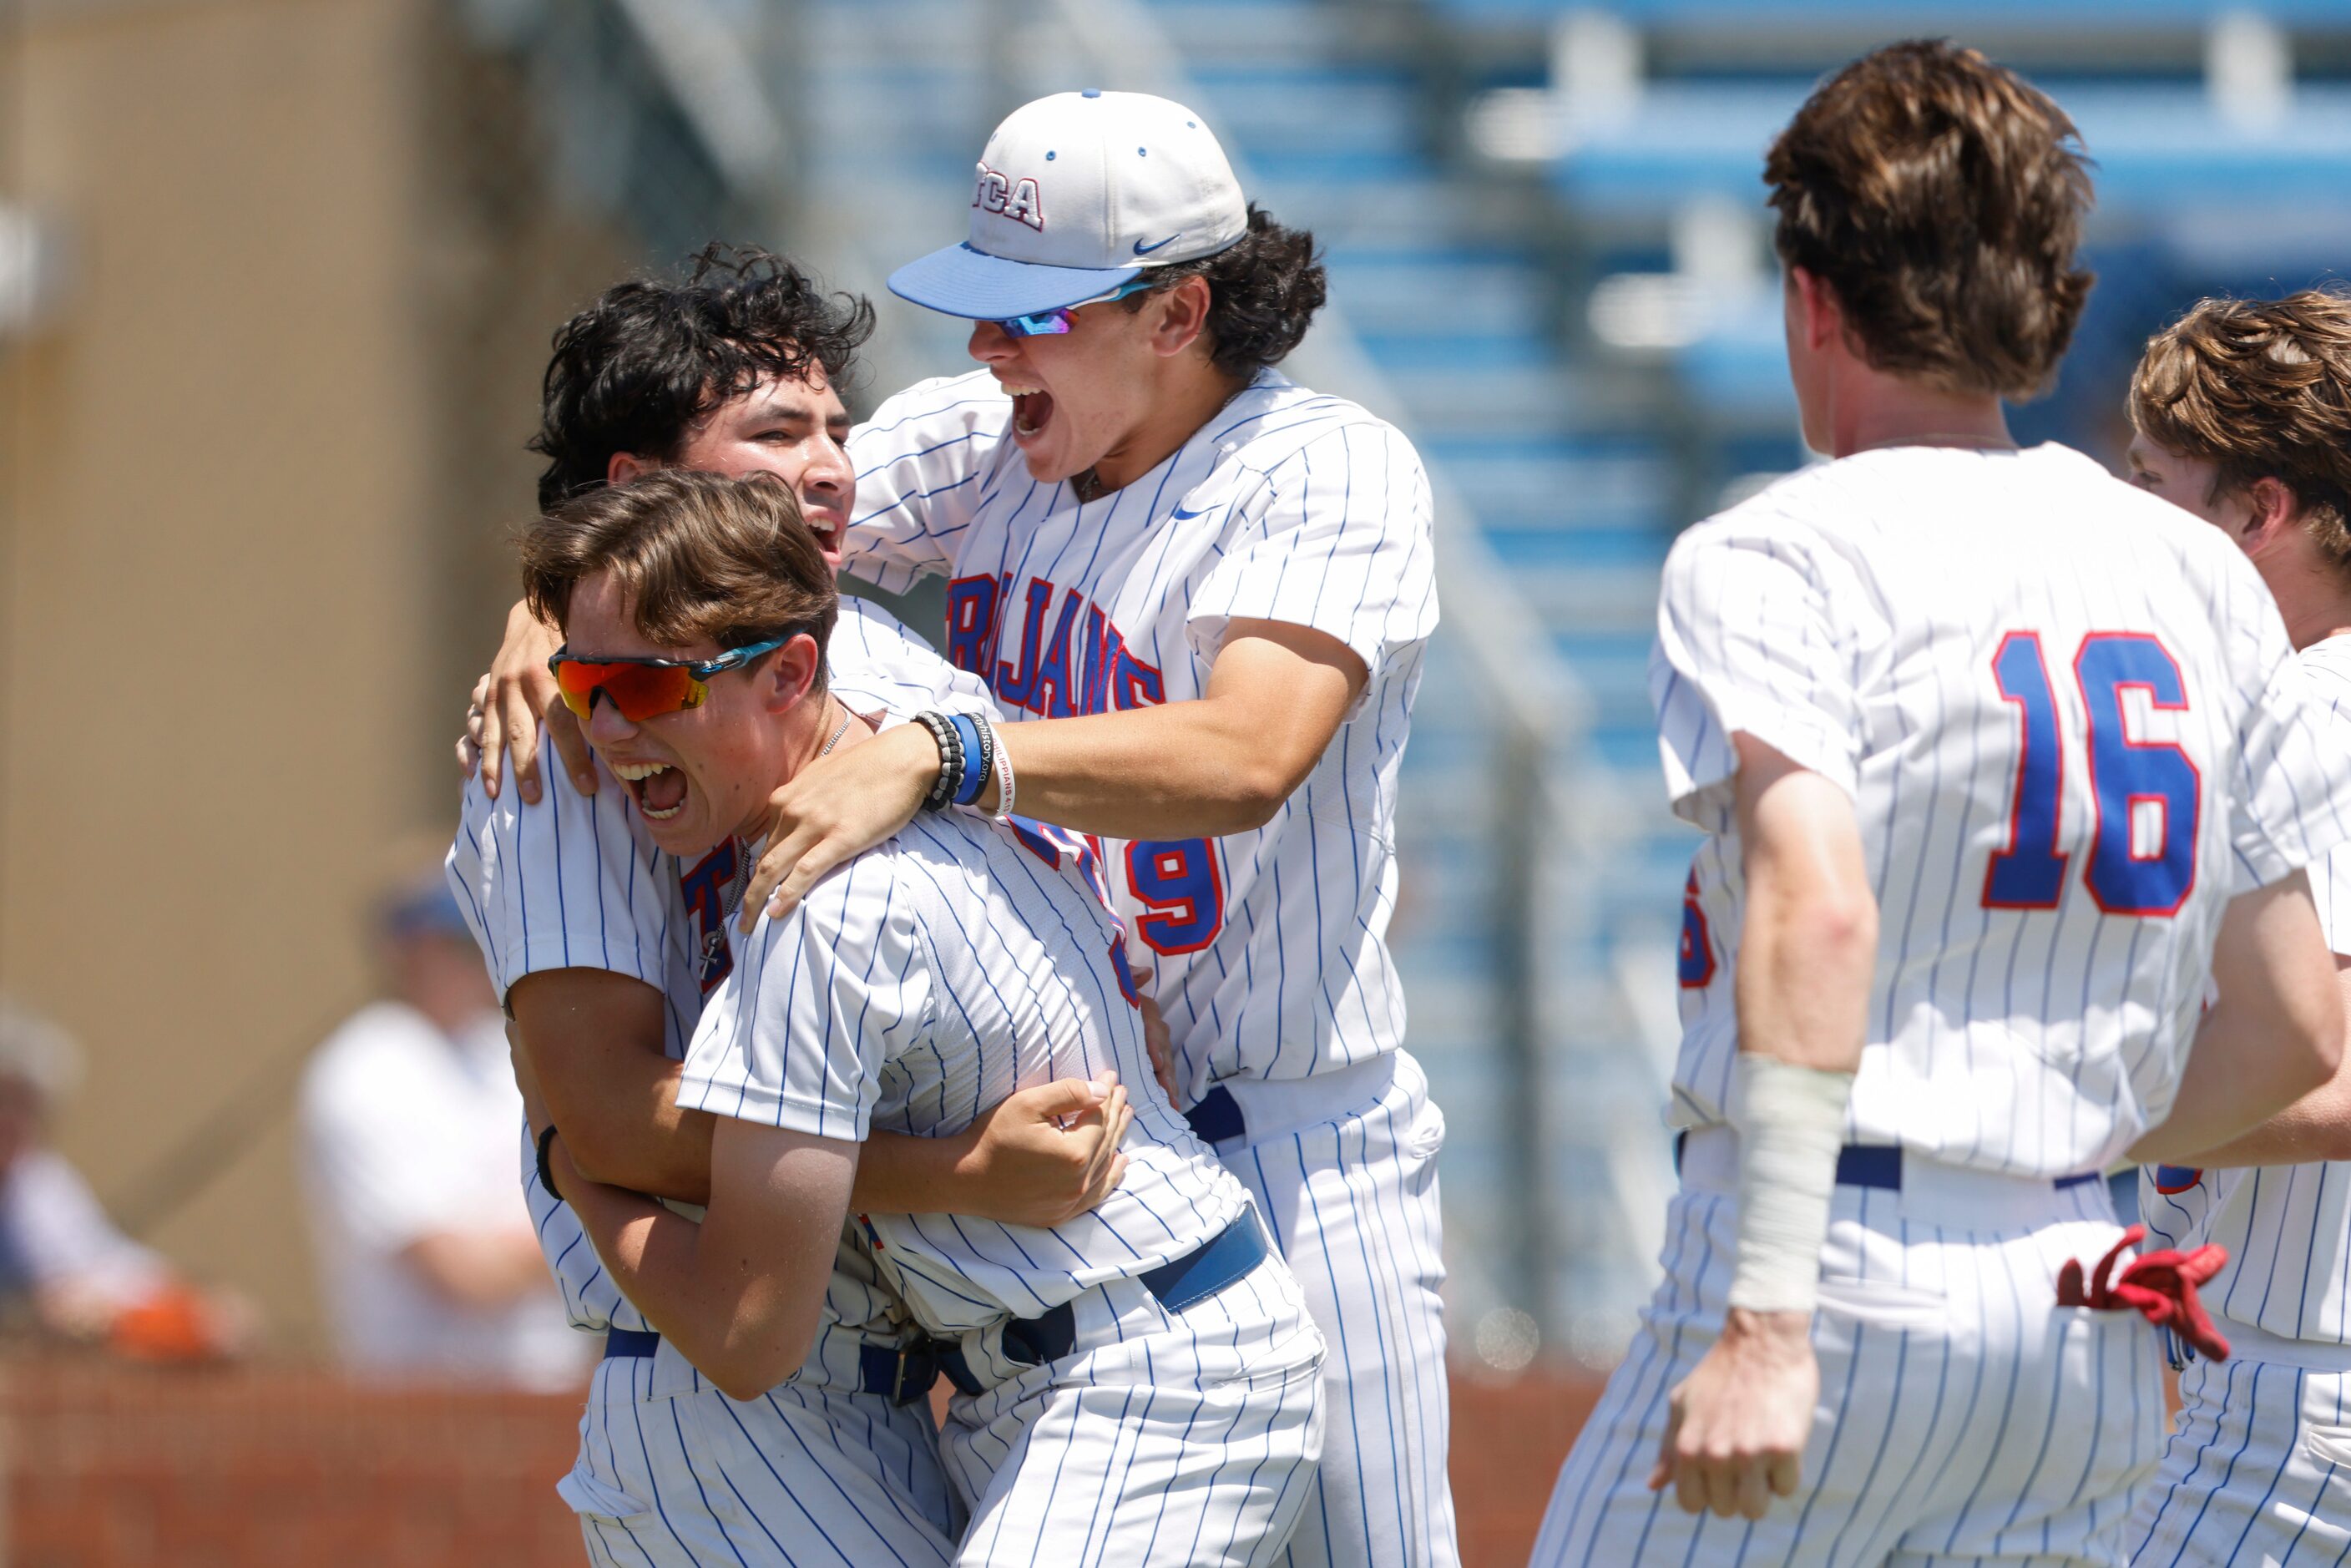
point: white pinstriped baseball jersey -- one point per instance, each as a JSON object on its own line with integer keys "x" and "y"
{"x": 572, "y": 882}
{"x": 2287, "y": 1228}
{"x": 928, "y": 978}
{"x": 2074, "y": 729}
{"x": 1269, "y": 945}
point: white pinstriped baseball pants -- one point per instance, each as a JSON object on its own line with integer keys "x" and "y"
{"x": 810, "y": 1475}
{"x": 2258, "y": 1470}
{"x": 1162, "y": 1439}
{"x": 1963, "y": 1416}
{"x": 1351, "y": 1200}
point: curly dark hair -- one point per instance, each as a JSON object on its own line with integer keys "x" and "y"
{"x": 634, "y": 370}
{"x": 1263, "y": 291}
{"x": 1941, "y": 198}
{"x": 2259, "y": 389}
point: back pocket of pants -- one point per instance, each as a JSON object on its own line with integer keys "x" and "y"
{"x": 1878, "y": 1305}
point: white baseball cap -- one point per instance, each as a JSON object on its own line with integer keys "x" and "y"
{"x": 1076, "y": 194}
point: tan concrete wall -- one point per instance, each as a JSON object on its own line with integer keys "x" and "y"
{"x": 216, "y": 584}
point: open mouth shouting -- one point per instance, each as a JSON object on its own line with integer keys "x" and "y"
{"x": 1032, "y": 411}
{"x": 658, "y": 788}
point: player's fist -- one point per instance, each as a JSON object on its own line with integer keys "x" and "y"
{"x": 1737, "y": 1426}
{"x": 1047, "y": 1155}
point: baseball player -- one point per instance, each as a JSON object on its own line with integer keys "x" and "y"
{"x": 1139, "y": 1385}
{"x": 605, "y": 950}
{"x": 1208, "y": 592}
{"x": 2243, "y": 412}
{"x": 1996, "y": 759}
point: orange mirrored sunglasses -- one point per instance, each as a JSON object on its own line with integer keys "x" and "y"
{"x": 643, "y": 688}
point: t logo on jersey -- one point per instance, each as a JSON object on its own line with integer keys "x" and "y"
{"x": 2173, "y": 1180}
{"x": 705, "y": 904}
{"x": 1016, "y": 199}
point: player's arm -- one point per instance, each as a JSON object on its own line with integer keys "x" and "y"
{"x": 740, "y": 1293}
{"x": 2273, "y": 1037}
{"x": 2316, "y": 1127}
{"x": 1736, "y": 1428}
{"x": 591, "y": 1041}
{"x": 1223, "y": 764}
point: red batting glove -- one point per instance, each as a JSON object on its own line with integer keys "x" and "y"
{"x": 2159, "y": 1286}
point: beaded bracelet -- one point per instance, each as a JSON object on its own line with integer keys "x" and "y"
{"x": 950, "y": 779}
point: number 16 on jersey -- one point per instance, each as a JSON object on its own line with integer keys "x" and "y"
{"x": 2146, "y": 795}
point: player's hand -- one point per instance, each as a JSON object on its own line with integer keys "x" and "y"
{"x": 512, "y": 701}
{"x": 836, "y": 807}
{"x": 1156, "y": 1037}
{"x": 1045, "y": 1156}
{"x": 1735, "y": 1426}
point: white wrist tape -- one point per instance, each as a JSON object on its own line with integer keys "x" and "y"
{"x": 1791, "y": 1124}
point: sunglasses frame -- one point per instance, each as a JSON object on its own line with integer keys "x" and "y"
{"x": 698, "y": 671}
{"x": 1054, "y": 322}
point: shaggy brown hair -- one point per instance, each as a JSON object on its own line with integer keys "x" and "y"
{"x": 1263, "y": 291}
{"x": 2261, "y": 389}
{"x": 699, "y": 555}
{"x": 1940, "y": 198}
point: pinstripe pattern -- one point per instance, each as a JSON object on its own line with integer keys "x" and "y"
{"x": 2258, "y": 1471}
{"x": 1288, "y": 506}
{"x": 1185, "y": 1438}
{"x": 1849, "y": 616}
{"x": 1963, "y": 1416}
{"x": 800, "y": 1475}
{"x": 1352, "y": 1203}
{"x": 2287, "y": 1228}
{"x": 670, "y": 1470}
{"x": 928, "y": 978}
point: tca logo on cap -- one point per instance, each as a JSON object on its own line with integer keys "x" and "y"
{"x": 1016, "y": 199}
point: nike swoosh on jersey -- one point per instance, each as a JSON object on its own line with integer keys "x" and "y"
{"x": 1142, "y": 249}
{"x": 1181, "y": 515}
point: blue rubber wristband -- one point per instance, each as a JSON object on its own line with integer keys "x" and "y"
{"x": 975, "y": 776}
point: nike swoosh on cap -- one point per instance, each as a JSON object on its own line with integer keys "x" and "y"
{"x": 1142, "y": 249}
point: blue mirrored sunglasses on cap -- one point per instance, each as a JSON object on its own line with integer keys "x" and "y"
{"x": 1052, "y": 323}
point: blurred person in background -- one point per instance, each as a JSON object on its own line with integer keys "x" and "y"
{"x": 429, "y": 1267}
{"x": 60, "y": 1256}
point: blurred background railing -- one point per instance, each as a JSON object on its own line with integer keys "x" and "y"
{"x": 276, "y": 278}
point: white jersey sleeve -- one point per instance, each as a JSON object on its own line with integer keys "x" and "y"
{"x": 1338, "y": 537}
{"x": 1747, "y": 644}
{"x": 2286, "y": 812}
{"x": 879, "y": 666}
{"x": 919, "y": 461}
{"x": 820, "y": 999}
{"x": 560, "y": 884}
{"x": 2287, "y": 1228}
{"x": 565, "y": 883}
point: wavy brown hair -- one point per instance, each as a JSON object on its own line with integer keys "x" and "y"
{"x": 1941, "y": 198}
{"x": 1263, "y": 291}
{"x": 699, "y": 555}
{"x": 2260, "y": 389}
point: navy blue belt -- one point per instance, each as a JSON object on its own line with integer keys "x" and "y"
{"x": 907, "y": 1375}
{"x": 904, "y": 1375}
{"x": 1216, "y": 1117}
{"x": 1879, "y": 1165}
{"x": 630, "y": 1341}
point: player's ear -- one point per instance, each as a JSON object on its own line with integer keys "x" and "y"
{"x": 1818, "y": 312}
{"x": 1179, "y": 316}
{"x": 2270, "y": 511}
{"x": 625, "y": 466}
{"x": 789, "y": 674}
